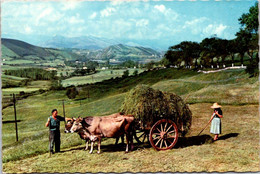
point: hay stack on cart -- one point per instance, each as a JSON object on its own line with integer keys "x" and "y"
{"x": 149, "y": 106}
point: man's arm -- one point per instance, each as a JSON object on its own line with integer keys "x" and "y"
{"x": 48, "y": 122}
{"x": 67, "y": 119}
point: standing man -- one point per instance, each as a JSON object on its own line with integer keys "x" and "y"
{"x": 54, "y": 124}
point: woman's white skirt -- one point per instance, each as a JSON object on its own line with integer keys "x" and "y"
{"x": 215, "y": 126}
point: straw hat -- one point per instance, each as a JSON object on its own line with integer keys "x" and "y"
{"x": 215, "y": 105}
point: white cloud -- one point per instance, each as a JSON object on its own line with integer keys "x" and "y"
{"x": 161, "y": 8}
{"x": 217, "y": 29}
{"x": 28, "y": 30}
{"x": 142, "y": 23}
{"x": 194, "y": 22}
{"x": 70, "y": 5}
{"x": 116, "y": 2}
{"x": 93, "y": 16}
{"x": 75, "y": 19}
{"x": 107, "y": 12}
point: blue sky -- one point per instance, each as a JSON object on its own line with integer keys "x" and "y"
{"x": 157, "y": 24}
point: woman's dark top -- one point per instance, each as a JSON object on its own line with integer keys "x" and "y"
{"x": 219, "y": 112}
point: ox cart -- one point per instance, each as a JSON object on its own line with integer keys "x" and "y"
{"x": 160, "y": 117}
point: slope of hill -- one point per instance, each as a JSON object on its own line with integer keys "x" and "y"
{"x": 84, "y": 42}
{"x": 15, "y": 49}
{"x": 122, "y": 52}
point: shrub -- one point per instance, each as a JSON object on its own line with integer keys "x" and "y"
{"x": 253, "y": 68}
{"x": 72, "y": 92}
{"x": 126, "y": 73}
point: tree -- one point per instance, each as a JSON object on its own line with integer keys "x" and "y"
{"x": 209, "y": 50}
{"x": 72, "y": 92}
{"x": 149, "y": 65}
{"x": 135, "y": 73}
{"x": 165, "y": 62}
{"x": 248, "y": 34}
{"x": 174, "y": 57}
{"x": 125, "y": 73}
{"x": 232, "y": 48}
{"x": 245, "y": 42}
{"x": 249, "y": 21}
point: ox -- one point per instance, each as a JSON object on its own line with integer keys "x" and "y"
{"x": 82, "y": 132}
{"x": 106, "y": 126}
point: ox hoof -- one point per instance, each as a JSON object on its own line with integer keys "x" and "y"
{"x": 98, "y": 152}
{"x": 90, "y": 152}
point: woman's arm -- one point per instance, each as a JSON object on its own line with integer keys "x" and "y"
{"x": 220, "y": 116}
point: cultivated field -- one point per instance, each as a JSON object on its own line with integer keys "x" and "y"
{"x": 237, "y": 150}
{"x": 97, "y": 77}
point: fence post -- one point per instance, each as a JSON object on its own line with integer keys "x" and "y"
{"x": 14, "y": 101}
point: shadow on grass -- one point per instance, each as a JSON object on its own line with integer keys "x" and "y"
{"x": 194, "y": 140}
{"x": 224, "y": 137}
{"x": 111, "y": 147}
{"x": 199, "y": 140}
{"x": 182, "y": 143}
{"x": 11, "y": 121}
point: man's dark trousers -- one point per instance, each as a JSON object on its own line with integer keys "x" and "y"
{"x": 54, "y": 138}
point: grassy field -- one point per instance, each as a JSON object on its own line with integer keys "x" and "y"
{"x": 237, "y": 149}
{"x": 32, "y": 86}
{"x": 98, "y": 77}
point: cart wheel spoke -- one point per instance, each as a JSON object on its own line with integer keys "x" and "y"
{"x": 156, "y": 134}
{"x": 171, "y": 132}
{"x": 144, "y": 137}
{"x": 168, "y": 128}
{"x": 169, "y": 141}
{"x": 141, "y": 135}
{"x": 158, "y": 142}
{"x": 165, "y": 127}
{"x": 156, "y": 138}
{"x": 165, "y": 143}
{"x": 161, "y": 128}
{"x": 161, "y": 144}
{"x": 158, "y": 130}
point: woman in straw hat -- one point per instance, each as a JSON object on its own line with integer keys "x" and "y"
{"x": 216, "y": 122}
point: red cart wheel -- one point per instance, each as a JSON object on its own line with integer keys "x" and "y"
{"x": 163, "y": 134}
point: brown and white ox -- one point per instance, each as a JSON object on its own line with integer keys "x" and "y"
{"x": 106, "y": 126}
{"x": 84, "y": 134}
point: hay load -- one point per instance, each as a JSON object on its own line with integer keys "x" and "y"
{"x": 150, "y": 105}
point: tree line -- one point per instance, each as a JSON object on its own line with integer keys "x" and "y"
{"x": 214, "y": 51}
{"x": 33, "y": 73}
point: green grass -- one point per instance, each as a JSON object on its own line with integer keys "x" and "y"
{"x": 237, "y": 151}
{"x": 230, "y": 88}
{"x": 32, "y": 86}
{"x": 98, "y": 77}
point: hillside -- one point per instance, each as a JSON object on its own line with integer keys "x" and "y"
{"x": 231, "y": 88}
{"x": 83, "y": 42}
{"x": 13, "y": 50}
{"x": 122, "y": 52}
{"x": 17, "y": 52}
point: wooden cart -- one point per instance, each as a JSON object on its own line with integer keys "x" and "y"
{"x": 162, "y": 134}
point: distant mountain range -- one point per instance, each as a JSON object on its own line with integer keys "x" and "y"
{"x": 120, "y": 52}
{"x": 16, "y": 49}
{"x": 19, "y": 50}
{"x": 83, "y": 42}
